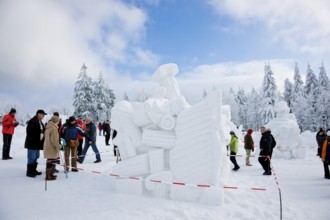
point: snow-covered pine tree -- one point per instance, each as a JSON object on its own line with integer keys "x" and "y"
{"x": 269, "y": 95}
{"x": 253, "y": 105}
{"x": 125, "y": 97}
{"x": 241, "y": 101}
{"x": 288, "y": 87}
{"x": 311, "y": 96}
{"x": 298, "y": 99}
{"x": 104, "y": 99}
{"x": 323, "y": 100}
{"x": 228, "y": 98}
{"x": 83, "y": 98}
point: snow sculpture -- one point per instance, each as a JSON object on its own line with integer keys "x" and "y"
{"x": 166, "y": 139}
{"x": 285, "y": 129}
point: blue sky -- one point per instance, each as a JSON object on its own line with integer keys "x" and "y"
{"x": 216, "y": 43}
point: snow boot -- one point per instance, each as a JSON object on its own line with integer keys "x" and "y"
{"x": 35, "y": 169}
{"x": 30, "y": 171}
{"x": 50, "y": 172}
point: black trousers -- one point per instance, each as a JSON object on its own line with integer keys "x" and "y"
{"x": 6, "y": 145}
{"x": 233, "y": 159}
{"x": 264, "y": 162}
{"x": 326, "y": 169}
{"x": 107, "y": 138}
{"x": 79, "y": 148}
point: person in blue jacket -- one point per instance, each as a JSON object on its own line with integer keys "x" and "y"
{"x": 90, "y": 140}
{"x": 70, "y": 134}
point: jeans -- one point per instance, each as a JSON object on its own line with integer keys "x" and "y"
{"x": 100, "y": 132}
{"x": 6, "y": 145}
{"x": 32, "y": 156}
{"x": 96, "y": 151}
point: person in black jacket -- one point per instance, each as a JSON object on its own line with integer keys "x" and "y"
{"x": 106, "y": 131}
{"x": 34, "y": 142}
{"x": 320, "y": 138}
{"x": 265, "y": 150}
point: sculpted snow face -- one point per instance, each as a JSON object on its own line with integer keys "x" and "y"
{"x": 166, "y": 139}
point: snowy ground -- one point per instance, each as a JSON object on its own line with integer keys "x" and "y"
{"x": 87, "y": 195}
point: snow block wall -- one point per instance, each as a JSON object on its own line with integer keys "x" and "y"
{"x": 168, "y": 140}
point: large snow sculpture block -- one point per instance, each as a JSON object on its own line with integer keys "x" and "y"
{"x": 156, "y": 160}
{"x": 140, "y": 117}
{"x": 158, "y": 138}
{"x": 159, "y": 190}
{"x": 198, "y": 151}
{"x": 133, "y": 167}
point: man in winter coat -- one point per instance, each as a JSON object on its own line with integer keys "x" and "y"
{"x": 106, "y": 131}
{"x": 70, "y": 134}
{"x": 325, "y": 155}
{"x": 34, "y": 142}
{"x": 265, "y": 150}
{"x": 8, "y": 126}
{"x": 52, "y": 147}
{"x": 90, "y": 140}
{"x": 233, "y": 146}
{"x": 248, "y": 146}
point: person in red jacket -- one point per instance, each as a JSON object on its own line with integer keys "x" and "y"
{"x": 8, "y": 126}
{"x": 82, "y": 125}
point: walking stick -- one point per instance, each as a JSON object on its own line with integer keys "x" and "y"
{"x": 61, "y": 158}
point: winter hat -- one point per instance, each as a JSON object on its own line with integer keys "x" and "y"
{"x": 40, "y": 111}
{"x": 72, "y": 118}
{"x": 12, "y": 110}
{"x": 249, "y": 131}
{"x": 56, "y": 114}
{"x": 231, "y": 132}
{"x": 55, "y": 119}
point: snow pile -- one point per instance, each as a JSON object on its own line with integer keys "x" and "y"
{"x": 286, "y": 131}
{"x": 167, "y": 139}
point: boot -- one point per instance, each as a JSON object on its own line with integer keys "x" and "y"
{"x": 49, "y": 175}
{"x": 30, "y": 171}
{"x": 35, "y": 169}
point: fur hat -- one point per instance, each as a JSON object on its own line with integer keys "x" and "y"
{"x": 55, "y": 119}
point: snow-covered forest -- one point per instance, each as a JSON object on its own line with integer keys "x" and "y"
{"x": 307, "y": 100}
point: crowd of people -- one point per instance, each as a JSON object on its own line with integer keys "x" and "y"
{"x": 53, "y": 137}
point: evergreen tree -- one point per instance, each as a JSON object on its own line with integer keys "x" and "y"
{"x": 104, "y": 99}
{"x": 253, "y": 109}
{"x": 228, "y": 98}
{"x": 125, "y": 97}
{"x": 311, "y": 96}
{"x": 288, "y": 87}
{"x": 83, "y": 98}
{"x": 323, "y": 100}
{"x": 241, "y": 101}
{"x": 269, "y": 95}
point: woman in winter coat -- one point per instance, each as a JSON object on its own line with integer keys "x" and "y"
{"x": 51, "y": 147}
{"x": 248, "y": 146}
{"x": 233, "y": 146}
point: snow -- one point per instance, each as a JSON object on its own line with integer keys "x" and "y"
{"x": 86, "y": 195}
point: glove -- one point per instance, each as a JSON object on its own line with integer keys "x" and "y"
{"x": 252, "y": 149}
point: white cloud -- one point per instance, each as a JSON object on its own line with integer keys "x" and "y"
{"x": 302, "y": 25}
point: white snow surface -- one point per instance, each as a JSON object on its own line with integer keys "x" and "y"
{"x": 87, "y": 195}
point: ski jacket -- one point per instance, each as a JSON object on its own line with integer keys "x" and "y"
{"x": 35, "y": 134}
{"x": 266, "y": 143}
{"x": 106, "y": 128}
{"x": 71, "y": 131}
{"x": 7, "y": 124}
{"x": 91, "y": 132}
{"x": 326, "y": 150}
{"x": 100, "y": 127}
{"x": 233, "y": 144}
{"x": 248, "y": 142}
{"x": 82, "y": 125}
{"x": 51, "y": 144}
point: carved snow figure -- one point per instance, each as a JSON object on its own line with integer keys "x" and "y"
{"x": 285, "y": 129}
{"x": 166, "y": 139}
